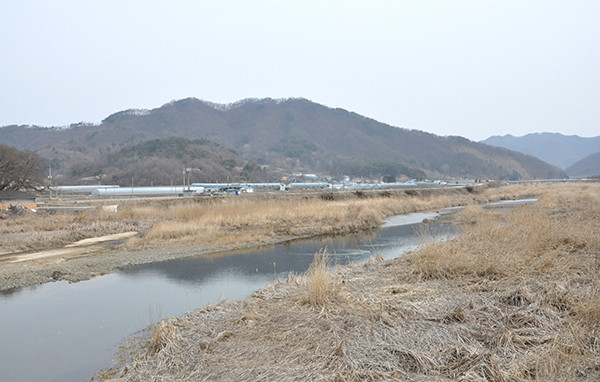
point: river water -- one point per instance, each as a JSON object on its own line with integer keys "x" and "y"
{"x": 68, "y": 332}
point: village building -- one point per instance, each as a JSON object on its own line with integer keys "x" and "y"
{"x": 17, "y": 199}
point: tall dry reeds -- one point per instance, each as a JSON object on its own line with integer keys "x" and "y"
{"x": 321, "y": 285}
{"x": 550, "y": 250}
{"x": 297, "y": 216}
{"x": 532, "y": 239}
{"x": 226, "y": 222}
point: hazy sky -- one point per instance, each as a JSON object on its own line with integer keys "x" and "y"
{"x": 469, "y": 68}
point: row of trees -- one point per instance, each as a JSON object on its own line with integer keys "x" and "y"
{"x": 20, "y": 170}
{"x": 158, "y": 161}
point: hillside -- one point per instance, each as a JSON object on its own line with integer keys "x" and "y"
{"x": 162, "y": 162}
{"x": 588, "y": 166}
{"x": 559, "y": 150}
{"x": 291, "y": 135}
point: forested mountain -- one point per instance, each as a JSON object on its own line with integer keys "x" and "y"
{"x": 279, "y": 136}
{"x": 163, "y": 161}
{"x": 559, "y": 150}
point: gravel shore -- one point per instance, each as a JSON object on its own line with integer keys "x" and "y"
{"x": 99, "y": 260}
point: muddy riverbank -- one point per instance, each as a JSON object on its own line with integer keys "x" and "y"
{"x": 96, "y": 261}
{"x": 106, "y": 258}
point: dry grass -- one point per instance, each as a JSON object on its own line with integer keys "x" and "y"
{"x": 244, "y": 221}
{"x": 31, "y": 231}
{"x": 534, "y": 239}
{"x": 513, "y": 299}
{"x": 321, "y": 286}
{"x": 236, "y": 222}
{"x": 471, "y": 214}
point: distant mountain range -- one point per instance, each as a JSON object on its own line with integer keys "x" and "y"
{"x": 562, "y": 151}
{"x": 268, "y": 138}
{"x": 588, "y": 166}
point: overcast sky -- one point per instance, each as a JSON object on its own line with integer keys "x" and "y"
{"x": 469, "y": 68}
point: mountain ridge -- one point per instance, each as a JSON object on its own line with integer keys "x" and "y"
{"x": 586, "y": 167}
{"x": 557, "y": 149}
{"x": 291, "y": 134}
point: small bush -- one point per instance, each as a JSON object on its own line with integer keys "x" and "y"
{"x": 327, "y": 196}
{"x": 162, "y": 335}
{"x": 360, "y": 194}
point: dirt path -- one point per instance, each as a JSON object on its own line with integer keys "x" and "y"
{"x": 84, "y": 247}
{"x": 103, "y": 239}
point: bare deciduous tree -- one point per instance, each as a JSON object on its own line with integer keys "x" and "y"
{"x": 20, "y": 170}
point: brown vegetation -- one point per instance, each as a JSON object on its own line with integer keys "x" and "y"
{"x": 236, "y": 222}
{"x": 321, "y": 287}
{"x": 515, "y": 298}
{"x": 36, "y": 231}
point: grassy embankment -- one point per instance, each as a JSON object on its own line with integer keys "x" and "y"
{"x": 223, "y": 223}
{"x": 515, "y": 298}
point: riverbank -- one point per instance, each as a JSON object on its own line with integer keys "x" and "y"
{"x": 515, "y": 297}
{"x": 174, "y": 229}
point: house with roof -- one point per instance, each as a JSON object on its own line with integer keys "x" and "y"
{"x": 13, "y": 198}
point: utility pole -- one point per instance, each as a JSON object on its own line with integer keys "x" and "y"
{"x": 50, "y": 179}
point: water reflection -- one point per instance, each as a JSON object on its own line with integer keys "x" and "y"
{"x": 270, "y": 263}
